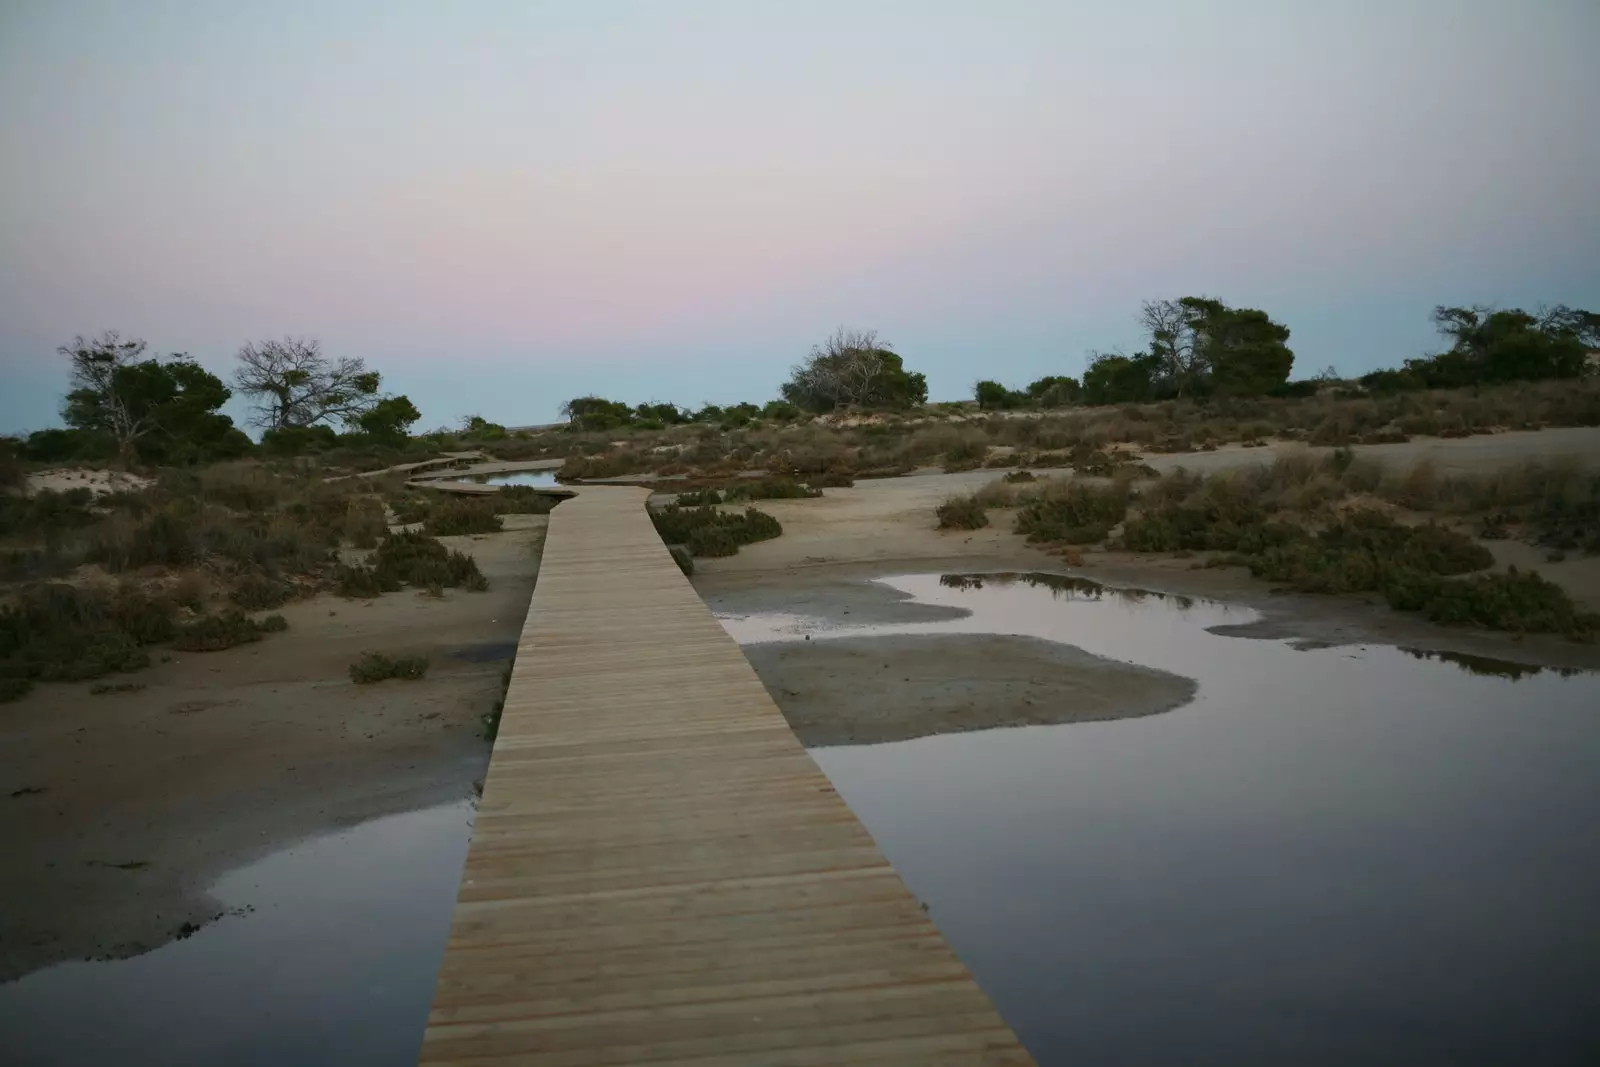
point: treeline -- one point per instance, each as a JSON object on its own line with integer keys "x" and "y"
{"x": 125, "y": 405}
{"x": 1198, "y": 347}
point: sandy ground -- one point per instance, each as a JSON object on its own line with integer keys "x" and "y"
{"x": 893, "y": 688}
{"x": 95, "y": 480}
{"x": 116, "y": 811}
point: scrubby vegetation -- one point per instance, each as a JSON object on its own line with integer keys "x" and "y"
{"x": 962, "y": 513}
{"x": 708, "y": 530}
{"x": 461, "y": 515}
{"x": 375, "y": 667}
{"x": 1315, "y": 526}
{"x": 212, "y": 633}
{"x": 414, "y": 559}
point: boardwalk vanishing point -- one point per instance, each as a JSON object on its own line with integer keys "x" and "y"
{"x": 659, "y": 873}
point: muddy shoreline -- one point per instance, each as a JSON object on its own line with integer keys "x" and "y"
{"x": 118, "y": 811}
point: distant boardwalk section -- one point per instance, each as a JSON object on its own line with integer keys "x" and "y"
{"x": 659, "y": 873}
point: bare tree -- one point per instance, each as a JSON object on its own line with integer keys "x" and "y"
{"x": 1174, "y": 340}
{"x": 294, "y": 384}
{"x": 99, "y": 391}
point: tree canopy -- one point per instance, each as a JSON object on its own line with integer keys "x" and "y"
{"x": 149, "y": 409}
{"x": 1490, "y": 346}
{"x": 853, "y": 368}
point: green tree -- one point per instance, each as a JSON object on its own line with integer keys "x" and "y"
{"x": 1246, "y": 350}
{"x": 992, "y": 395}
{"x": 854, "y": 368}
{"x": 390, "y": 419}
{"x": 1113, "y": 378}
{"x": 158, "y": 411}
{"x": 1055, "y": 391}
{"x": 1499, "y": 346}
{"x": 596, "y": 413}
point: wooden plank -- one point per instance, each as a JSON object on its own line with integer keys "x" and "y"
{"x": 659, "y": 872}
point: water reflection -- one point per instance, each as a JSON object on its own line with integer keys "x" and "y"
{"x": 1060, "y": 586}
{"x": 331, "y": 960}
{"x": 1488, "y": 667}
{"x": 546, "y": 478}
{"x": 1332, "y": 856}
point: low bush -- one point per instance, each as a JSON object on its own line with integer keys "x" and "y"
{"x": 213, "y": 633}
{"x": 710, "y": 531}
{"x": 461, "y": 516}
{"x": 962, "y": 513}
{"x": 256, "y": 592}
{"x": 522, "y": 500}
{"x": 1018, "y": 476}
{"x": 683, "y": 558}
{"x": 1075, "y": 514}
{"x": 412, "y": 558}
{"x": 375, "y": 667}
{"x": 769, "y": 489}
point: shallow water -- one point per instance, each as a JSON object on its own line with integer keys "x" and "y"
{"x": 1357, "y": 854}
{"x": 542, "y": 478}
{"x": 328, "y": 956}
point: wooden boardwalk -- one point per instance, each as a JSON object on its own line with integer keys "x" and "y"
{"x": 660, "y": 873}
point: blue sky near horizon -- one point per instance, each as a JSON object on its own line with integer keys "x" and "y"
{"x": 501, "y": 205}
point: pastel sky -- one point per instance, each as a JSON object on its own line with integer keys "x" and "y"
{"x": 501, "y": 205}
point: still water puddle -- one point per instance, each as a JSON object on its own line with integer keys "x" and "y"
{"x": 1344, "y": 855}
{"x": 545, "y": 478}
{"x": 333, "y": 963}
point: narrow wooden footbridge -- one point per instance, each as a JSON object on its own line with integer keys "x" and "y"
{"x": 659, "y": 873}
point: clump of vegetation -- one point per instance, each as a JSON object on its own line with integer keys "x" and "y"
{"x": 698, "y": 498}
{"x": 100, "y": 689}
{"x": 1016, "y": 477}
{"x": 683, "y": 558}
{"x": 1521, "y": 602}
{"x": 410, "y": 558}
{"x": 375, "y": 667}
{"x": 830, "y": 480}
{"x": 962, "y": 513}
{"x": 522, "y": 500}
{"x": 461, "y": 516}
{"x": 58, "y": 632}
{"x": 213, "y": 633}
{"x": 767, "y": 489}
{"x": 710, "y": 531}
{"x": 411, "y": 508}
{"x": 1073, "y": 513}
{"x": 257, "y": 592}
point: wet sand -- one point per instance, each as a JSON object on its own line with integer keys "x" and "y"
{"x": 868, "y": 690}
{"x": 117, "y": 811}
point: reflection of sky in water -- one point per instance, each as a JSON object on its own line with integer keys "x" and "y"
{"x": 336, "y": 964}
{"x": 546, "y": 478}
{"x": 1344, "y": 855}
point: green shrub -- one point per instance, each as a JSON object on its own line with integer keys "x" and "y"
{"x": 1524, "y": 603}
{"x": 1077, "y": 514}
{"x": 769, "y": 489}
{"x": 683, "y": 558}
{"x": 712, "y": 541}
{"x": 522, "y": 500}
{"x": 412, "y": 558}
{"x": 1018, "y": 476}
{"x": 377, "y": 667}
{"x": 272, "y": 624}
{"x": 361, "y": 582}
{"x": 455, "y": 517}
{"x": 830, "y": 480}
{"x": 411, "y": 509}
{"x": 213, "y": 633}
{"x": 698, "y": 498}
{"x": 962, "y": 513}
{"x": 693, "y": 528}
{"x": 56, "y": 632}
{"x": 256, "y": 592}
